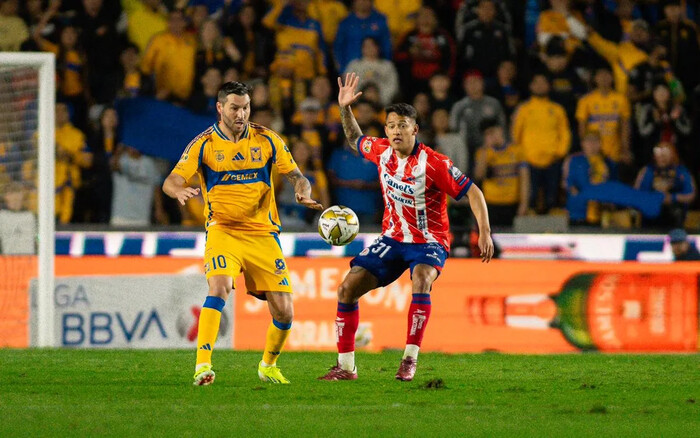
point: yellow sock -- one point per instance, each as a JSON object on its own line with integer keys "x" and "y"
{"x": 277, "y": 334}
{"x": 209, "y": 319}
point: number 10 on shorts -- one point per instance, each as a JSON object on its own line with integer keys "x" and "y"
{"x": 218, "y": 262}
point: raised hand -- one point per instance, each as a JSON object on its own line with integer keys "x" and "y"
{"x": 346, "y": 93}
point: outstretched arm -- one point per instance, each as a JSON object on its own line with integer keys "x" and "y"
{"x": 302, "y": 189}
{"x": 478, "y": 206}
{"x": 346, "y": 96}
{"x": 176, "y": 187}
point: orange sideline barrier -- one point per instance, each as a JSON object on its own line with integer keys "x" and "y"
{"x": 15, "y": 275}
{"x": 629, "y": 306}
{"x": 469, "y": 314}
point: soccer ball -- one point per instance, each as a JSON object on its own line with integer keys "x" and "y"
{"x": 338, "y": 225}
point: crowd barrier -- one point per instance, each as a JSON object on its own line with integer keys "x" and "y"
{"x": 589, "y": 247}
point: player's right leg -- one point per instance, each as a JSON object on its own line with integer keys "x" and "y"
{"x": 358, "y": 282}
{"x": 220, "y": 266}
{"x": 220, "y": 287}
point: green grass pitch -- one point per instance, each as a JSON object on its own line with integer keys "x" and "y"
{"x": 76, "y": 393}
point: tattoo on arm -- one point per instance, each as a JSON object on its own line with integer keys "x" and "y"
{"x": 350, "y": 126}
{"x": 299, "y": 182}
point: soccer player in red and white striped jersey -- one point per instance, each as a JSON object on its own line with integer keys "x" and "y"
{"x": 415, "y": 182}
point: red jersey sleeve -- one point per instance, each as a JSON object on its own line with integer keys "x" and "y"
{"x": 447, "y": 177}
{"x": 370, "y": 148}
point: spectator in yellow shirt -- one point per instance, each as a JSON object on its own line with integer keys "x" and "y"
{"x": 555, "y": 22}
{"x": 329, "y": 13}
{"x": 71, "y": 156}
{"x": 13, "y": 30}
{"x": 541, "y": 128}
{"x": 502, "y": 173}
{"x": 145, "y": 19}
{"x": 170, "y": 58}
{"x": 608, "y": 112}
{"x": 622, "y": 57}
{"x": 70, "y": 65}
{"x": 400, "y": 16}
{"x": 300, "y": 44}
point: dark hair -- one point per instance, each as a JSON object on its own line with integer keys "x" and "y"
{"x": 237, "y": 88}
{"x": 488, "y": 123}
{"x": 402, "y": 109}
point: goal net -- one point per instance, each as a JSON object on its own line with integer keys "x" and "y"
{"x": 27, "y": 99}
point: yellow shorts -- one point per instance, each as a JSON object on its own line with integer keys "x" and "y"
{"x": 258, "y": 257}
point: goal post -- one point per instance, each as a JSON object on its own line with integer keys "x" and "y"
{"x": 44, "y": 64}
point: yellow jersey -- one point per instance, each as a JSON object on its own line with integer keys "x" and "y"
{"x": 502, "y": 183}
{"x": 143, "y": 22}
{"x": 71, "y": 72}
{"x": 622, "y": 58}
{"x": 329, "y": 13}
{"x": 540, "y": 126}
{"x": 300, "y": 44}
{"x": 400, "y": 16}
{"x": 171, "y": 59}
{"x": 236, "y": 177}
{"x": 554, "y": 23}
{"x": 605, "y": 114}
{"x": 71, "y": 155}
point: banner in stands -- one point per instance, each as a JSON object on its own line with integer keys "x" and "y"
{"x": 147, "y": 124}
{"x": 149, "y": 311}
{"x": 589, "y": 247}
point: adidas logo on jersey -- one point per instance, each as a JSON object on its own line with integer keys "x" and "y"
{"x": 205, "y": 347}
{"x": 284, "y": 282}
{"x": 238, "y": 157}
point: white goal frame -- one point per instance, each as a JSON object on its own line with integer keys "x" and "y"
{"x": 46, "y": 100}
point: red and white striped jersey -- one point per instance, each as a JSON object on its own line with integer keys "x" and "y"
{"x": 415, "y": 190}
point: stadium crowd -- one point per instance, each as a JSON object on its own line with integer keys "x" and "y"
{"x": 580, "y": 107}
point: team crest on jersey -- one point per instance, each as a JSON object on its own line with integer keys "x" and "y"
{"x": 280, "y": 265}
{"x": 219, "y": 157}
{"x": 367, "y": 146}
{"x": 255, "y": 155}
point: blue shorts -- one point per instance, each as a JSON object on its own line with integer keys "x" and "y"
{"x": 387, "y": 259}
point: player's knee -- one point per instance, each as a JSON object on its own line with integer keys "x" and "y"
{"x": 422, "y": 283}
{"x": 345, "y": 293}
{"x": 283, "y": 314}
{"x": 219, "y": 291}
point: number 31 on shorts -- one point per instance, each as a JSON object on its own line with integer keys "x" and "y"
{"x": 382, "y": 249}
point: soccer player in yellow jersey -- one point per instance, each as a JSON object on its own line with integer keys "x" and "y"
{"x": 234, "y": 160}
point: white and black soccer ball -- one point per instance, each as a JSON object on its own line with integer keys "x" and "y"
{"x": 338, "y": 225}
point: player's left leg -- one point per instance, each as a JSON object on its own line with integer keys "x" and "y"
{"x": 282, "y": 311}
{"x": 422, "y": 279}
{"x": 267, "y": 278}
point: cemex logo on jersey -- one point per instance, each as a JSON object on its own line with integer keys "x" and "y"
{"x": 400, "y": 186}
